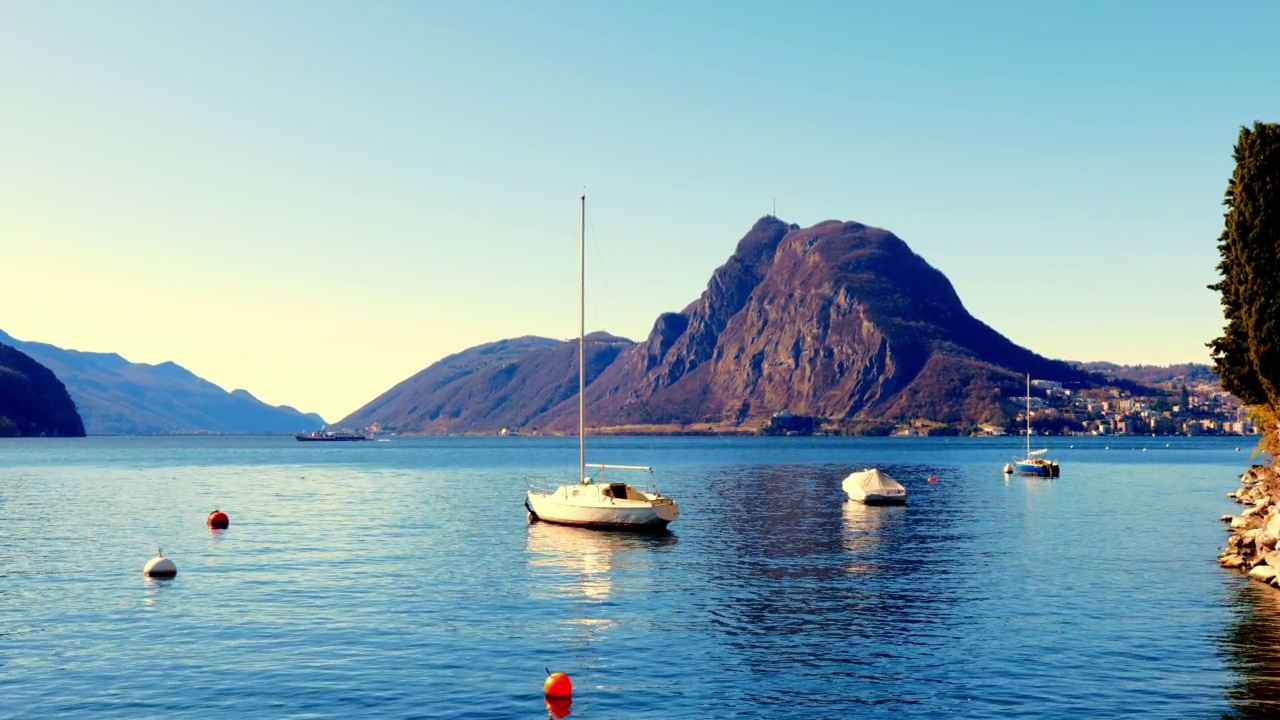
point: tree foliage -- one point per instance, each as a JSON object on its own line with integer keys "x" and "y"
{"x": 1247, "y": 356}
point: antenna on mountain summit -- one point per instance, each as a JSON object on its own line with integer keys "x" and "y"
{"x": 775, "y": 207}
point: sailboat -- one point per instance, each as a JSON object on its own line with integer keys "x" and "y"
{"x": 593, "y": 502}
{"x": 1035, "y": 462}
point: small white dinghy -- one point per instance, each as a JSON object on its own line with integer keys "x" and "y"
{"x": 873, "y": 487}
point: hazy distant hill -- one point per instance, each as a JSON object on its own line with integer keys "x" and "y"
{"x": 839, "y": 320}
{"x": 509, "y": 383}
{"x": 1152, "y": 374}
{"x": 33, "y": 402}
{"x": 117, "y": 397}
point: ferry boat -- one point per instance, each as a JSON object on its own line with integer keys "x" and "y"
{"x": 330, "y": 436}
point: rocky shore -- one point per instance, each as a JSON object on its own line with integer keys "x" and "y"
{"x": 1252, "y": 546}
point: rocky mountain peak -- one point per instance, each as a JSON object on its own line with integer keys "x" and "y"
{"x": 835, "y": 320}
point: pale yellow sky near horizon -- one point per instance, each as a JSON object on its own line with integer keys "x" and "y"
{"x": 272, "y": 340}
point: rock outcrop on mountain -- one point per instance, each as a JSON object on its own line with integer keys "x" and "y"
{"x": 840, "y": 321}
{"x": 118, "y": 397}
{"x": 513, "y": 384}
{"x": 33, "y": 402}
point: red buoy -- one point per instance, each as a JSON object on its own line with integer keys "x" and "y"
{"x": 557, "y": 685}
{"x": 933, "y": 479}
{"x": 218, "y": 520}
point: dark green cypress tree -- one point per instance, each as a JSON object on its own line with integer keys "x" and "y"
{"x": 1247, "y": 356}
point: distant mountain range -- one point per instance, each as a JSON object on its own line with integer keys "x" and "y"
{"x": 118, "y": 397}
{"x": 33, "y": 402}
{"x": 840, "y": 321}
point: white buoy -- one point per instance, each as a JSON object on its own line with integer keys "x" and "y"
{"x": 160, "y": 566}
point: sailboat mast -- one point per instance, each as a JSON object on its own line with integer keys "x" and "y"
{"x": 582, "y": 335}
{"x": 1028, "y": 414}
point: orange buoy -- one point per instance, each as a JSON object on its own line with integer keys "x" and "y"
{"x": 933, "y": 479}
{"x": 557, "y": 685}
{"x": 218, "y": 520}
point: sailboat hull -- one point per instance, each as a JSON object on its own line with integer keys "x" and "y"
{"x": 636, "y": 515}
{"x": 1042, "y": 468}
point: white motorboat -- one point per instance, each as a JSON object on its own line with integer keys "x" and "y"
{"x": 873, "y": 487}
{"x": 590, "y": 501}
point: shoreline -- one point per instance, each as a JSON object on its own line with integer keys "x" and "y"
{"x": 1252, "y": 545}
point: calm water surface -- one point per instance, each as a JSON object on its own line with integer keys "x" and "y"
{"x": 400, "y": 579}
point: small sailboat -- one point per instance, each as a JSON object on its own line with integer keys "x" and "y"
{"x": 1035, "y": 462}
{"x": 592, "y": 502}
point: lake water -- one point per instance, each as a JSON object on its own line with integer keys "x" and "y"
{"x": 400, "y": 579}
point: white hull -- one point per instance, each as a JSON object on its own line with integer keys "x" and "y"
{"x": 583, "y": 505}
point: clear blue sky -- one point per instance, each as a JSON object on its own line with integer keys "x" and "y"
{"x": 313, "y": 201}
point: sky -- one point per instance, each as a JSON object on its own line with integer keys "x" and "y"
{"x": 313, "y": 201}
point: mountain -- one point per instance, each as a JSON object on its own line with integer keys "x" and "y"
{"x": 509, "y": 383}
{"x": 33, "y": 402}
{"x": 118, "y": 397}
{"x": 839, "y": 320}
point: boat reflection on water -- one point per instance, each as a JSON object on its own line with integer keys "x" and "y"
{"x": 864, "y": 533}
{"x": 1252, "y": 648}
{"x": 558, "y": 708}
{"x": 584, "y": 562}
